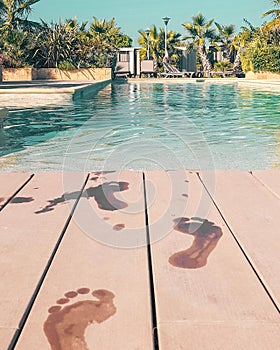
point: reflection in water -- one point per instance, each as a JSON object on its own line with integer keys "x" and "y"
{"x": 3, "y": 116}
{"x": 276, "y": 163}
{"x": 172, "y": 124}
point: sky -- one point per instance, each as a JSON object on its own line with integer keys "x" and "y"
{"x": 134, "y": 15}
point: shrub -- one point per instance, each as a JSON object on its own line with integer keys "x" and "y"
{"x": 222, "y": 66}
{"x": 265, "y": 57}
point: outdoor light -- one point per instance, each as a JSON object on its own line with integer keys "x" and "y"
{"x": 147, "y": 31}
{"x": 165, "y": 20}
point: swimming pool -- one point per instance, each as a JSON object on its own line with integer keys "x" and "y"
{"x": 146, "y": 126}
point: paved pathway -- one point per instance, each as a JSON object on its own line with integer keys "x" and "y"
{"x": 75, "y": 88}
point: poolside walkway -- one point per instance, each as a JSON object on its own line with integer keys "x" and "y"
{"x": 154, "y": 260}
{"x": 260, "y": 84}
{"x": 75, "y": 88}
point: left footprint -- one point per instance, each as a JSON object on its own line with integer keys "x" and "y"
{"x": 65, "y": 326}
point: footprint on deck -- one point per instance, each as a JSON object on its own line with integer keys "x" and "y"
{"x": 104, "y": 195}
{"x": 18, "y": 200}
{"x": 65, "y": 326}
{"x": 206, "y": 236}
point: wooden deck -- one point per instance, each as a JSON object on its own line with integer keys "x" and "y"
{"x": 155, "y": 260}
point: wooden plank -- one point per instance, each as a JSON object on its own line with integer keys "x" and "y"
{"x": 6, "y": 335}
{"x": 124, "y": 319}
{"x": 202, "y": 279}
{"x": 270, "y": 179}
{"x": 220, "y": 335}
{"x": 253, "y": 215}
{"x": 29, "y": 228}
{"x": 9, "y": 184}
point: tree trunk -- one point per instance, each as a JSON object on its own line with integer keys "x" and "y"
{"x": 206, "y": 65}
{"x": 226, "y": 54}
{"x": 237, "y": 62}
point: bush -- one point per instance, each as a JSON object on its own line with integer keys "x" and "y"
{"x": 223, "y": 66}
{"x": 264, "y": 58}
{"x": 66, "y": 65}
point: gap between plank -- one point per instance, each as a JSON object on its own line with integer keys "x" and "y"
{"x": 264, "y": 185}
{"x": 150, "y": 269}
{"x": 44, "y": 274}
{"x": 240, "y": 246}
{"x": 17, "y": 191}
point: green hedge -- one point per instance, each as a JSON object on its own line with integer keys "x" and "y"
{"x": 265, "y": 58}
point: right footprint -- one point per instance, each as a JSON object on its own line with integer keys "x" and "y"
{"x": 65, "y": 326}
{"x": 206, "y": 236}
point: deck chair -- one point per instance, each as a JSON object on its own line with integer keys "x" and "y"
{"x": 147, "y": 67}
{"x": 122, "y": 69}
{"x": 216, "y": 74}
{"x": 171, "y": 71}
{"x": 237, "y": 74}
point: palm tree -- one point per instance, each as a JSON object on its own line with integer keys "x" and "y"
{"x": 200, "y": 31}
{"x": 106, "y": 37}
{"x": 153, "y": 37}
{"x": 225, "y": 37}
{"x": 15, "y": 30}
{"x": 14, "y": 14}
{"x": 274, "y": 12}
{"x": 240, "y": 42}
{"x": 272, "y": 28}
{"x": 156, "y": 44}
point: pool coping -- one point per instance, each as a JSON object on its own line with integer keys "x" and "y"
{"x": 80, "y": 89}
{"x": 254, "y": 83}
{"x": 76, "y": 88}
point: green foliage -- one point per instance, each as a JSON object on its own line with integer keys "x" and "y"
{"x": 66, "y": 44}
{"x": 13, "y": 45}
{"x": 222, "y": 66}
{"x": 265, "y": 57}
{"x": 66, "y": 65}
{"x": 14, "y": 14}
{"x": 225, "y": 37}
{"x": 274, "y": 12}
{"x": 124, "y": 41}
{"x": 70, "y": 45}
{"x": 200, "y": 31}
{"x": 156, "y": 40}
{"x": 58, "y": 43}
{"x": 259, "y": 47}
{"x": 106, "y": 38}
{"x": 15, "y": 31}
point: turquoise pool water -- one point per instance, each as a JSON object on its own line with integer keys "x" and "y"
{"x": 145, "y": 126}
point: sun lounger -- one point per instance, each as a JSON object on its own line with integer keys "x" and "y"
{"x": 217, "y": 74}
{"x": 171, "y": 71}
{"x": 147, "y": 67}
{"x": 225, "y": 74}
{"x": 122, "y": 69}
{"x": 237, "y": 74}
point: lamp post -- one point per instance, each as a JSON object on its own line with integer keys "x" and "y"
{"x": 165, "y": 20}
{"x": 147, "y": 31}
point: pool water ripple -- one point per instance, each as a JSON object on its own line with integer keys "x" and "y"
{"x": 147, "y": 126}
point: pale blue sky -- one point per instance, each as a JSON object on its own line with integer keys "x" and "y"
{"x": 132, "y": 15}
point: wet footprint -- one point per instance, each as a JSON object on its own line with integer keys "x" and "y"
{"x": 105, "y": 195}
{"x": 65, "y": 326}
{"x": 206, "y": 236}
